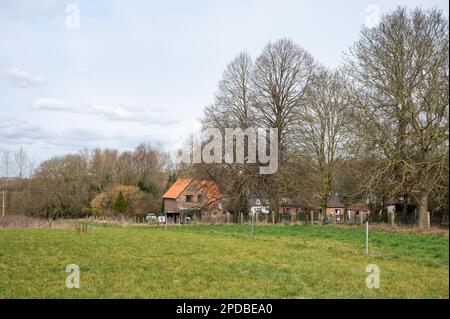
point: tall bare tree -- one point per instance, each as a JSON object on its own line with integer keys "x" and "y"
{"x": 20, "y": 159}
{"x": 281, "y": 77}
{"x": 322, "y": 130}
{"x": 232, "y": 108}
{"x": 234, "y": 97}
{"x": 400, "y": 74}
{"x": 6, "y": 171}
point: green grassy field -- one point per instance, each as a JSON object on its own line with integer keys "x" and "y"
{"x": 221, "y": 262}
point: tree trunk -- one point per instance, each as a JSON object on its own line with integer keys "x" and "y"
{"x": 404, "y": 217}
{"x": 423, "y": 211}
{"x": 326, "y": 190}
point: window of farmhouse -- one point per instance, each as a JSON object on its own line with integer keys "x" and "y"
{"x": 199, "y": 198}
{"x": 188, "y": 198}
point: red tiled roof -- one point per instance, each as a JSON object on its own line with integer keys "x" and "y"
{"x": 334, "y": 204}
{"x": 177, "y": 188}
{"x": 211, "y": 190}
{"x": 360, "y": 206}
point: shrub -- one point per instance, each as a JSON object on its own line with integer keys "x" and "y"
{"x": 132, "y": 201}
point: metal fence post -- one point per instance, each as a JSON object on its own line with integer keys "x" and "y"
{"x": 367, "y": 238}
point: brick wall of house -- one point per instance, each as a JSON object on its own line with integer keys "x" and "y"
{"x": 170, "y": 205}
{"x": 331, "y": 211}
{"x": 194, "y": 191}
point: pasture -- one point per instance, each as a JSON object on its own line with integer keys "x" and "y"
{"x": 207, "y": 261}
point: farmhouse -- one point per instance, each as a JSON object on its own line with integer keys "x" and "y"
{"x": 338, "y": 211}
{"x": 335, "y": 209}
{"x": 293, "y": 206}
{"x": 191, "y": 196}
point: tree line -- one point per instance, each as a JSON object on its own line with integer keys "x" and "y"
{"x": 98, "y": 181}
{"x": 375, "y": 129}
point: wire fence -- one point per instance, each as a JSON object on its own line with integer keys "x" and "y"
{"x": 224, "y": 218}
{"x": 257, "y": 218}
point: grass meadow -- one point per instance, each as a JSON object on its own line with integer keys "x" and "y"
{"x": 194, "y": 261}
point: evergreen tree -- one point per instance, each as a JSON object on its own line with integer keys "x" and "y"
{"x": 120, "y": 204}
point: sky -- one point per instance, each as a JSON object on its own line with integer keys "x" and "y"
{"x": 111, "y": 73}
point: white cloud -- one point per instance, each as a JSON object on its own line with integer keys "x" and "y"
{"x": 13, "y": 131}
{"x": 115, "y": 113}
{"x": 82, "y": 135}
{"x": 45, "y": 103}
{"x": 23, "y": 79}
{"x": 77, "y": 138}
{"x": 111, "y": 113}
{"x": 125, "y": 113}
{"x": 17, "y": 132}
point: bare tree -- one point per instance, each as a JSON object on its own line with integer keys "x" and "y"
{"x": 20, "y": 159}
{"x": 400, "y": 74}
{"x": 232, "y": 108}
{"x": 31, "y": 166}
{"x": 281, "y": 77}
{"x": 63, "y": 186}
{"x": 323, "y": 135}
{"x": 234, "y": 95}
{"x": 6, "y": 170}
